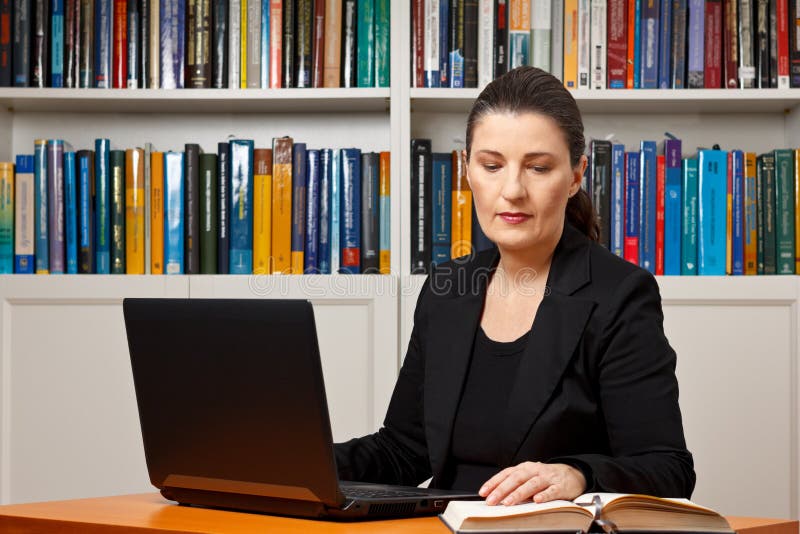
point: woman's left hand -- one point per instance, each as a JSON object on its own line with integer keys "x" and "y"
{"x": 541, "y": 482}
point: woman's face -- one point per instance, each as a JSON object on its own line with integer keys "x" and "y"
{"x": 521, "y": 179}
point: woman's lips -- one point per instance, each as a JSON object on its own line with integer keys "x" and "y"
{"x": 514, "y": 217}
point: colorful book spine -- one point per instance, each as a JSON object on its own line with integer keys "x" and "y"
{"x": 317, "y": 53}
{"x": 750, "y": 215}
{"x": 191, "y": 208}
{"x": 431, "y": 43}
{"x": 102, "y": 173}
{"x": 299, "y": 178}
{"x": 276, "y": 43}
{"x": 154, "y": 45}
{"x": 173, "y": 212}
{"x": 312, "y": 222}
{"x": 24, "y": 215}
{"x": 243, "y": 35}
{"x": 442, "y": 199}
{"x": 157, "y": 215}
{"x": 712, "y": 60}
{"x": 747, "y": 45}
{"x": 336, "y": 211}
{"x": 208, "y": 213}
{"x": 241, "y": 207}
{"x": 332, "y": 68}
{"x": 712, "y": 191}
{"x": 672, "y": 208}
{"x": 385, "y": 214}
{"x": 678, "y": 68}
{"x": 148, "y": 209}
{"x": 461, "y": 210}
{"x": 797, "y": 209}
{"x": 617, "y": 43}
{"x": 325, "y": 162}
{"x": 737, "y": 215}
{"x": 660, "y": 199}
{"x": 57, "y": 44}
{"x": 119, "y": 56}
{"x": 86, "y": 219}
{"x": 382, "y": 46}
{"x": 519, "y": 30}
{"x": 632, "y": 212}
{"x": 6, "y": 218}
{"x": 223, "y": 201}
{"x": 172, "y": 44}
{"x": 282, "y": 205}
{"x": 784, "y": 211}
{"x": 631, "y": 55}
{"x": 689, "y": 175}
{"x": 570, "y": 43}
{"x": 55, "y": 205}
{"x": 697, "y": 16}
{"x": 262, "y": 211}
{"x": 265, "y": 27}
{"x": 134, "y": 211}
{"x": 253, "y": 44}
{"x": 665, "y": 45}
{"x": 649, "y": 52}
{"x": 365, "y": 43}
{"x": 782, "y": 27}
{"x": 103, "y": 44}
{"x": 617, "y": 222}
{"x": 647, "y": 207}
{"x": 351, "y": 211}
{"x": 70, "y": 213}
{"x": 42, "y": 247}
{"x": 370, "y": 206}
{"x": 117, "y": 160}
{"x": 455, "y": 42}
{"x": 304, "y": 42}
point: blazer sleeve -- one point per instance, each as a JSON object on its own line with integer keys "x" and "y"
{"x": 638, "y": 394}
{"x": 398, "y": 452}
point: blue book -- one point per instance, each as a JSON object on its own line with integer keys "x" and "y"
{"x": 444, "y": 56}
{"x": 442, "y": 188}
{"x": 172, "y": 43}
{"x": 241, "y": 207}
{"x": 57, "y": 44}
{"x": 617, "y": 199}
{"x": 637, "y": 45}
{"x": 649, "y": 44}
{"x": 70, "y": 212}
{"x": 55, "y": 204}
{"x": 696, "y": 44}
{"x": 712, "y": 213}
{"x": 103, "y": 20}
{"x": 351, "y": 211}
{"x": 665, "y": 47}
{"x": 23, "y": 245}
{"x": 299, "y": 178}
{"x": 173, "y": 212}
{"x": 134, "y": 18}
{"x": 737, "y": 230}
{"x": 679, "y": 14}
{"x": 672, "y": 207}
{"x": 313, "y": 186}
{"x": 632, "y": 226}
{"x": 325, "y": 168}
{"x": 86, "y": 210}
{"x": 647, "y": 206}
{"x": 40, "y": 226}
{"x": 689, "y": 220}
{"x": 518, "y": 42}
{"x": 336, "y": 210}
{"x": 102, "y": 212}
{"x": 265, "y": 5}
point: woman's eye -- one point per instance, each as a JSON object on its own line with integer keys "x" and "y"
{"x": 538, "y": 168}
{"x": 490, "y": 167}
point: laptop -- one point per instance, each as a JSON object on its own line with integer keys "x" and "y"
{"x": 234, "y": 415}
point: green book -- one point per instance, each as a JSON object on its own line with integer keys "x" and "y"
{"x": 117, "y": 166}
{"x": 365, "y": 43}
{"x": 208, "y": 214}
{"x": 382, "y": 49}
{"x": 784, "y": 210}
{"x": 6, "y": 218}
{"x": 765, "y": 177}
{"x": 689, "y": 176}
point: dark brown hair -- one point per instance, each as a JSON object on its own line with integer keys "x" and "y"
{"x": 532, "y": 90}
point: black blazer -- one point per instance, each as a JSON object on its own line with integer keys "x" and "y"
{"x": 595, "y": 388}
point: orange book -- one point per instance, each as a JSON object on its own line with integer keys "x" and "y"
{"x": 333, "y": 44}
{"x": 282, "y": 205}
{"x": 157, "y": 213}
{"x": 134, "y": 211}
{"x": 750, "y": 207}
{"x": 571, "y": 44}
{"x": 384, "y": 186}
{"x": 461, "y": 209}
{"x": 631, "y": 43}
{"x": 262, "y": 211}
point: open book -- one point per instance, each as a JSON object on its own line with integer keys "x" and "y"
{"x": 596, "y": 512}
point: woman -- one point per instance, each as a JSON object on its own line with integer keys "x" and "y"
{"x": 539, "y": 369}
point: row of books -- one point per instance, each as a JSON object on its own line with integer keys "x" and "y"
{"x": 173, "y": 44}
{"x": 243, "y": 210}
{"x": 616, "y": 44}
{"x": 717, "y": 212}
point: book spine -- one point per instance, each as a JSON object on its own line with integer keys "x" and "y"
{"x": 85, "y": 44}
{"x": 557, "y": 37}
{"x": 276, "y": 43}
{"x": 665, "y": 45}
{"x": 173, "y": 212}
{"x": 421, "y": 169}
{"x": 519, "y": 30}
{"x": 634, "y": 44}
{"x": 461, "y": 208}
{"x": 731, "y": 46}
{"x": 632, "y": 211}
{"x": 737, "y": 158}
{"x": 601, "y": 187}
{"x": 299, "y": 178}
{"x": 784, "y": 211}
{"x": 351, "y": 211}
{"x": 157, "y": 215}
{"x": 598, "y": 44}
{"x": 148, "y": 208}
{"x": 762, "y": 43}
{"x": 198, "y": 48}
{"x": 102, "y": 205}
{"x": 6, "y": 218}
{"x": 312, "y": 222}
{"x": 660, "y": 198}
{"x": 21, "y": 47}
{"x": 208, "y": 214}
{"x": 86, "y": 202}
{"x": 541, "y": 31}
{"x": 442, "y": 199}
{"x": 336, "y": 210}
{"x": 750, "y": 202}
{"x": 134, "y": 212}
{"x": 647, "y": 206}
{"x": 219, "y": 59}
{"x": 729, "y": 217}
{"x": 585, "y": 54}
{"x": 431, "y": 43}
{"x": 649, "y": 52}
{"x": 303, "y": 42}
{"x": 317, "y": 52}
{"x": 265, "y": 27}
{"x": 191, "y": 192}
{"x": 70, "y": 214}
{"x": 223, "y": 200}
{"x": 747, "y": 45}
{"x": 55, "y": 205}
{"x": 385, "y": 209}
{"x": 241, "y": 207}
{"x": 325, "y": 162}
{"x": 103, "y": 44}
{"x": 282, "y": 205}
{"x": 672, "y": 208}
{"x": 40, "y": 60}
{"x": 455, "y": 41}
{"x": 617, "y": 44}
{"x": 471, "y": 43}
{"x": 332, "y": 69}
{"x": 6, "y": 21}
{"x": 444, "y": 51}
{"x": 117, "y": 168}
{"x": 617, "y": 222}
{"x": 712, "y": 195}
{"x": 382, "y": 43}
{"x": 794, "y": 43}
{"x": 773, "y": 44}
{"x": 679, "y": 12}
{"x": 418, "y": 37}
{"x": 234, "y": 43}
{"x": 143, "y": 54}
{"x": 288, "y": 45}
{"x": 253, "y": 44}
{"x": 712, "y": 61}
{"x": 689, "y": 227}
{"x": 119, "y": 56}
{"x": 24, "y": 215}
{"x": 570, "y": 45}
{"x": 262, "y": 211}
{"x": 782, "y": 19}
{"x": 131, "y": 81}
{"x": 697, "y": 17}
{"x": 797, "y": 209}
{"x": 370, "y": 205}
{"x": 768, "y": 201}
{"x": 154, "y": 45}
{"x": 57, "y": 44}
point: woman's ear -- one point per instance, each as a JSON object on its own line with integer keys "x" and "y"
{"x": 577, "y": 175}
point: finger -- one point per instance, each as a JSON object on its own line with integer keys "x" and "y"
{"x": 514, "y": 480}
{"x": 550, "y": 493}
{"x": 492, "y": 483}
{"x": 525, "y": 491}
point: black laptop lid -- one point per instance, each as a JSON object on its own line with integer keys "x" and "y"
{"x": 231, "y": 397}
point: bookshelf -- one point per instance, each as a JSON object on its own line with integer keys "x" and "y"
{"x": 67, "y": 411}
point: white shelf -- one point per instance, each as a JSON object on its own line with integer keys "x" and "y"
{"x": 200, "y": 101}
{"x": 633, "y": 100}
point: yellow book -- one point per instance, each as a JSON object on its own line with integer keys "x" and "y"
{"x": 797, "y": 211}
{"x": 6, "y": 218}
{"x": 282, "y": 205}
{"x": 750, "y": 207}
{"x": 729, "y": 219}
{"x": 243, "y": 44}
{"x": 134, "y": 211}
{"x": 461, "y": 210}
{"x": 262, "y": 211}
{"x": 384, "y": 186}
{"x": 571, "y": 44}
{"x": 157, "y": 213}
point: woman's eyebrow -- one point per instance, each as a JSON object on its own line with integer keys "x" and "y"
{"x": 527, "y": 155}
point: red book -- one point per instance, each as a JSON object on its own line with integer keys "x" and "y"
{"x": 660, "y": 200}
{"x": 630, "y": 245}
{"x": 631, "y": 49}
{"x": 782, "y": 11}
{"x": 318, "y": 52}
{"x": 418, "y": 41}
{"x": 617, "y": 44}
{"x": 275, "y": 43}
{"x": 712, "y": 65}
{"x": 731, "y": 50}
{"x": 120, "y": 55}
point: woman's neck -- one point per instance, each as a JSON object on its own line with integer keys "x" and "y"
{"x": 528, "y": 267}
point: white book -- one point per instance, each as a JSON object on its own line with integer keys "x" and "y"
{"x": 485, "y": 42}
{"x": 234, "y": 43}
{"x": 432, "y": 43}
{"x": 598, "y": 39}
{"x": 557, "y": 40}
{"x": 254, "y": 45}
{"x": 584, "y": 47}
{"x": 541, "y": 33}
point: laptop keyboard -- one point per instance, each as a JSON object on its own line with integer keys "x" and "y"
{"x": 368, "y": 493}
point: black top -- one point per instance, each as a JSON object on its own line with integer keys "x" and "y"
{"x": 475, "y": 449}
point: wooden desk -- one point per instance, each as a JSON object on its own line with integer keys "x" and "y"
{"x": 150, "y": 513}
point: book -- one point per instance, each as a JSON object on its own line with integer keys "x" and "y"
{"x": 298, "y": 227}
{"x": 173, "y": 212}
{"x": 622, "y": 512}
{"x": 6, "y": 218}
{"x": 351, "y": 212}
{"x": 241, "y": 207}
{"x": 41, "y": 246}
{"x": 385, "y": 214}
{"x": 208, "y": 213}
{"x": 441, "y": 193}
{"x": 23, "y": 216}
{"x": 262, "y": 210}
{"x": 134, "y": 212}
{"x": 117, "y": 211}
{"x": 86, "y": 221}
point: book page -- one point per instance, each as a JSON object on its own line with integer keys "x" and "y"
{"x": 458, "y": 511}
{"x": 621, "y": 498}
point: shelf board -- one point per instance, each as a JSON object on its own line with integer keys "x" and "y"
{"x": 634, "y": 100}
{"x": 195, "y": 100}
